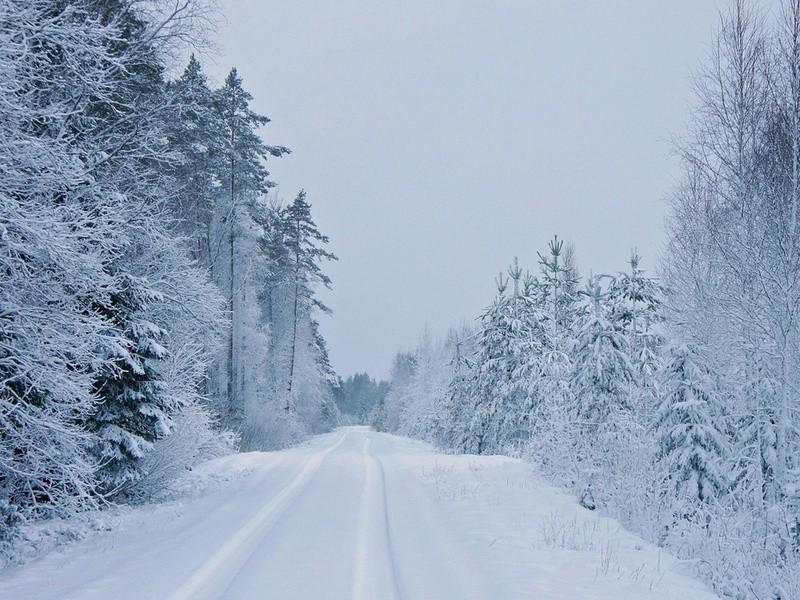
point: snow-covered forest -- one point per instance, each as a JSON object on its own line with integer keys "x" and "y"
{"x": 358, "y": 396}
{"x": 158, "y": 305}
{"x": 669, "y": 402}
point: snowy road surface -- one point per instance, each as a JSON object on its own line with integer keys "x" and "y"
{"x": 365, "y": 516}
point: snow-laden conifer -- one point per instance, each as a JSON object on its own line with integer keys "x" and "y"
{"x": 602, "y": 368}
{"x": 690, "y": 440}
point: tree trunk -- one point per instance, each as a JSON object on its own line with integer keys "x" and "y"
{"x": 294, "y": 321}
{"x": 293, "y": 350}
{"x": 231, "y": 305}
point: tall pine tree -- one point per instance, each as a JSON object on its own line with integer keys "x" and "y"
{"x": 244, "y": 178}
{"x": 305, "y": 248}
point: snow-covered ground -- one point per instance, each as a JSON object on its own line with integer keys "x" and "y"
{"x": 362, "y": 515}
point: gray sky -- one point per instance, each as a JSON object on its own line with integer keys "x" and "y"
{"x": 439, "y": 139}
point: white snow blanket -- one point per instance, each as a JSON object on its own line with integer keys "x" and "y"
{"x": 359, "y": 515}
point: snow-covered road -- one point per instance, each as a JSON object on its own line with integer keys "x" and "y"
{"x": 365, "y": 516}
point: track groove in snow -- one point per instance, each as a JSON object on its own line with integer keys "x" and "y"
{"x": 228, "y": 559}
{"x": 188, "y": 529}
{"x": 374, "y": 573}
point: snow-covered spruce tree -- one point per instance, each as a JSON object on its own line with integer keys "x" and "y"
{"x": 690, "y": 439}
{"x": 195, "y": 132}
{"x": 192, "y": 314}
{"x": 134, "y": 409}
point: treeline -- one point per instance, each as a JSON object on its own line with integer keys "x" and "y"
{"x": 156, "y": 306}
{"x": 669, "y": 404}
{"x": 358, "y": 396}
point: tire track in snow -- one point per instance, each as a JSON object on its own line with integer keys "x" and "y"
{"x": 435, "y": 561}
{"x": 189, "y": 528}
{"x": 373, "y": 571}
{"x": 250, "y": 483}
{"x": 216, "y": 572}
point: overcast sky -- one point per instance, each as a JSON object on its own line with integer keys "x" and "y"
{"x": 439, "y": 139}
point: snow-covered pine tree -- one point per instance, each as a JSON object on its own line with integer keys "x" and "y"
{"x": 635, "y": 302}
{"x": 555, "y": 306}
{"x": 459, "y": 398}
{"x": 299, "y": 380}
{"x": 558, "y": 287}
{"x": 244, "y": 179}
{"x": 489, "y": 375}
{"x": 602, "y": 369}
{"x": 305, "y": 248}
{"x": 243, "y": 152}
{"x": 503, "y": 367}
{"x": 690, "y": 441}
{"x": 133, "y": 407}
